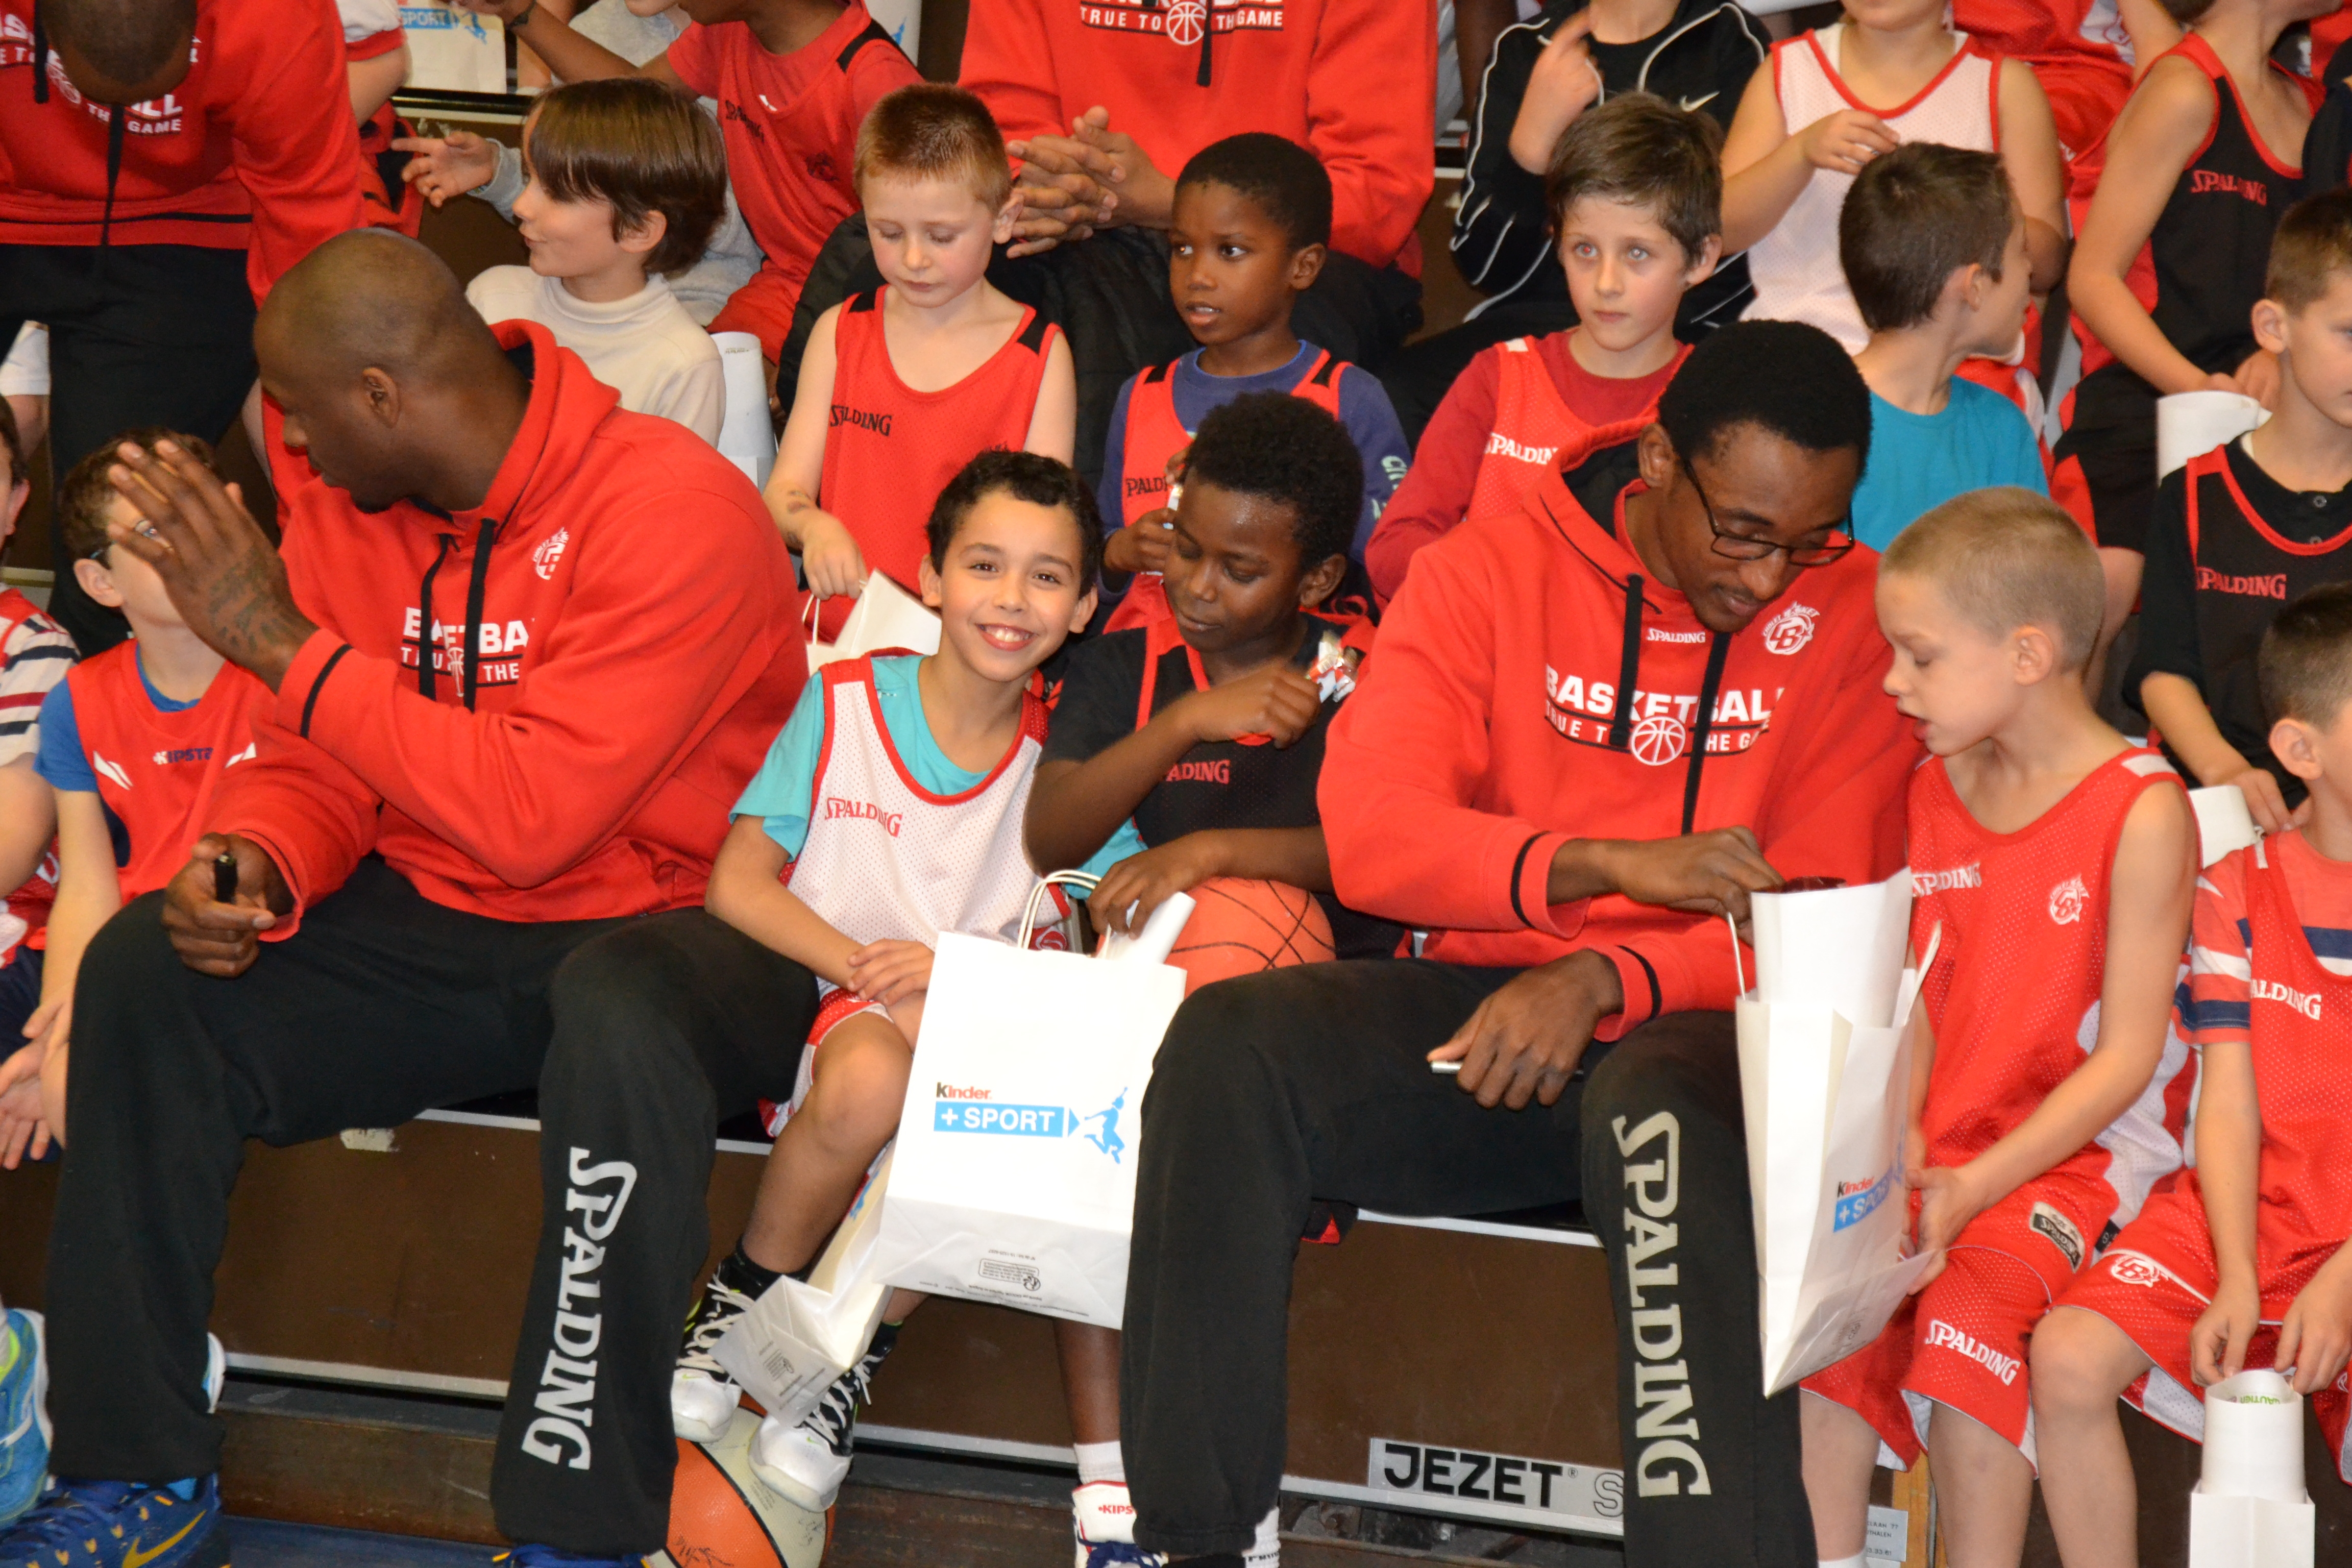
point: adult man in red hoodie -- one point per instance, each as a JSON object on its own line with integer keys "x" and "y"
{"x": 1103, "y": 101}
{"x": 526, "y": 648}
{"x": 1594, "y": 726}
{"x": 161, "y": 164}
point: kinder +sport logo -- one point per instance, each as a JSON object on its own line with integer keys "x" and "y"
{"x": 955, "y": 1111}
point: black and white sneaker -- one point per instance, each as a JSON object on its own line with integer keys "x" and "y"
{"x": 804, "y": 1462}
{"x": 702, "y": 1397}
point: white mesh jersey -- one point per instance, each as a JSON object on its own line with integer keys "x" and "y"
{"x": 885, "y": 858}
{"x": 1795, "y": 268}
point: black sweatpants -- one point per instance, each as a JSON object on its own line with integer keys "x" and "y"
{"x": 640, "y": 1035}
{"x": 1109, "y": 295}
{"x": 1276, "y": 1089}
{"x": 139, "y": 334}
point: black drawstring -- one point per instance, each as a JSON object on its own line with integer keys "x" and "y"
{"x": 1208, "y": 36}
{"x": 116, "y": 126}
{"x": 40, "y": 57}
{"x": 474, "y": 608}
{"x": 1707, "y": 688}
{"x": 428, "y": 643}
{"x": 1629, "y": 667}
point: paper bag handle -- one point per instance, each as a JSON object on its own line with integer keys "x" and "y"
{"x": 1056, "y": 879}
{"x": 1738, "y": 973}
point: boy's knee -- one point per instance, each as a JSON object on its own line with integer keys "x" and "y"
{"x": 2070, "y": 1361}
{"x": 132, "y": 949}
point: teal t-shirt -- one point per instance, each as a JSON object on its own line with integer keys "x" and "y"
{"x": 1918, "y": 461}
{"x": 781, "y": 794}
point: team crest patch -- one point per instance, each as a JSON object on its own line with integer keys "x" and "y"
{"x": 549, "y": 552}
{"x": 2060, "y": 1232}
{"x": 2066, "y": 901}
{"x": 2131, "y": 1268}
{"x": 1790, "y": 630}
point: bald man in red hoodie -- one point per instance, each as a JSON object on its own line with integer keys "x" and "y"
{"x": 1594, "y": 726}
{"x": 161, "y": 164}
{"x": 526, "y": 648}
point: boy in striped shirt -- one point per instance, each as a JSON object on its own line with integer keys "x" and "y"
{"x": 35, "y": 654}
{"x": 2241, "y": 1264}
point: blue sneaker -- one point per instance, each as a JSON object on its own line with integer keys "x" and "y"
{"x": 23, "y": 1414}
{"x": 549, "y": 1557}
{"x": 121, "y": 1524}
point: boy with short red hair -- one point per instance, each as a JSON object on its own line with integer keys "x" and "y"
{"x": 2055, "y": 861}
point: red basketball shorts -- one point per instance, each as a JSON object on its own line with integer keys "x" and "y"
{"x": 1962, "y": 1341}
{"x": 2154, "y": 1284}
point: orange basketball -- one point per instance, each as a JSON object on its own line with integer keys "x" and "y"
{"x": 1245, "y": 924}
{"x": 723, "y": 1516}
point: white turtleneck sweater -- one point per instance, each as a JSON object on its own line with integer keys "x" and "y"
{"x": 646, "y": 347}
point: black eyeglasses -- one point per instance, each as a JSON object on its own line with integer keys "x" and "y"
{"x": 1747, "y": 547}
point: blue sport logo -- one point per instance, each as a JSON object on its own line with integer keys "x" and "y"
{"x": 1857, "y": 1201}
{"x": 1100, "y": 1128}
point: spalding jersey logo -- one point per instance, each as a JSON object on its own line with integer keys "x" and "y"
{"x": 1790, "y": 630}
{"x": 549, "y": 552}
{"x": 2304, "y": 1002}
{"x": 2066, "y": 901}
{"x": 2059, "y": 1231}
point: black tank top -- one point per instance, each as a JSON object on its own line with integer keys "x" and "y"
{"x": 2212, "y": 243}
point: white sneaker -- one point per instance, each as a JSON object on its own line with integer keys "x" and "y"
{"x": 1103, "y": 1519}
{"x": 804, "y": 1462}
{"x": 702, "y": 1397}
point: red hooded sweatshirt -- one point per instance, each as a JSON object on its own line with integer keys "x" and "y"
{"x": 255, "y": 151}
{"x": 538, "y": 709}
{"x": 1490, "y": 726}
{"x": 1353, "y": 81}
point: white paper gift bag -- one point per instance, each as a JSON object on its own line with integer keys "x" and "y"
{"x": 453, "y": 50}
{"x": 2250, "y": 1508}
{"x": 746, "y": 438}
{"x": 1015, "y": 1176}
{"x": 886, "y": 616}
{"x": 2191, "y": 424}
{"x": 1825, "y": 1078}
{"x": 800, "y": 1336}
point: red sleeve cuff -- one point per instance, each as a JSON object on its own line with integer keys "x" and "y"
{"x": 297, "y": 694}
{"x": 375, "y": 44}
{"x": 1531, "y": 885}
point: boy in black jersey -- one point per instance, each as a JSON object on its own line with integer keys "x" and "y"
{"x": 2190, "y": 184}
{"x": 2246, "y": 528}
{"x": 1198, "y": 738}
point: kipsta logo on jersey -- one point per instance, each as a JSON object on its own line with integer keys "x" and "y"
{"x": 2066, "y": 901}
{"x": 114, "y": 771}
{"x": 1658, "y": 740}
{"x": 1790, "y": 630}
{"x": 549, "y": 552}
{"x": 165, "y": 759}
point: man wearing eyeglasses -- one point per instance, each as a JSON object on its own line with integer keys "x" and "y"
{"x": 1594, "y": 726}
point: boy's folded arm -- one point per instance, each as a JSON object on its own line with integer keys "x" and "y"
{"x": 2159, "y": 131}
{"x": 1498, "y": 233}
{"x": 27, "y": 823}
{"x": 298, "y": 152}
{"x": 1764, "y": 165}
{"x": 1295, "y": 856}
{"x": 89, "y": 891}
{"x": 2178, "y": 711}
{"x": 2037, "y": 170}
{"x": 1371, "y": 112}
{"x": 1436, "y": 493}
{"x": 2150, "y": 890}
{"x": 1075, "y": 807}
{"x": 746, "y": 892}
{"x": 2229, "y": 1155}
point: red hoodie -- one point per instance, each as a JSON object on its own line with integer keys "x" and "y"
{"x": 1479, "y": 740}
{"x": 637, "y": 644}
{"x": 1354, "y": 80}
{"x": 255, "y": 151}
